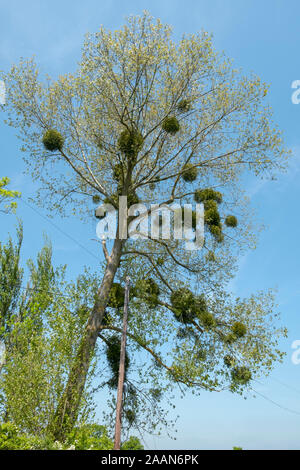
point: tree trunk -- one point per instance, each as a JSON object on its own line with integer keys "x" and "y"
{"x": 67, "y": 409}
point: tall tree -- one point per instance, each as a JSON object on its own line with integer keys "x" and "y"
{"x": 41, "y": 327}
{"x": 154, "y": 120}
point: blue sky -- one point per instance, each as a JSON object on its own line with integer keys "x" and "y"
{"x": 262, "y": 37}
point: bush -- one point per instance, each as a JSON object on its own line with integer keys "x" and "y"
{"x": 53, "y": 140}
{"x": 85, "y": 437}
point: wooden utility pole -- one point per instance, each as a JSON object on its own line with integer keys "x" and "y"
{"x": 117, "y": 443}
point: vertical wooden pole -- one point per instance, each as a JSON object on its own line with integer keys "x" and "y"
{"x": 117, "y": 443}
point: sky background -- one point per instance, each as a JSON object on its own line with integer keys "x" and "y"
{"x": 262, "y": 37}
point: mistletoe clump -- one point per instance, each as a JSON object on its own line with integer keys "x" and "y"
{"x": 239, "y": 329}
{"x": 229, "y": 361}
{"x": 113, "y": 358}
{"x": 184, "y": 106}
{"x": 241, "y": 375}
{"x": 230, "y": 338}
{"x": 189, "y": 173}
{"x": 216, "y": 231}
{"x": 96, "y": 199}
{"x": 116, "y": 296}
{"x": 210, "y": 199}
{"x": 208, "y": 194}
{"x": 207, "y": 320}
{"x": 148, "y": 290}
{"x": 171, "y": 125}
{"x": 132, "y": 199}
{"x": 130, "y": 143}
{"x": 118, "y": 172}
{"x": 212, "y": 216}
{"x": 231, "y": 221}
{"x": 184, "y": 305}
{"x": 53, "y": 140}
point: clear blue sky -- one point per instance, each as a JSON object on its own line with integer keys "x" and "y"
{"x": 261, "y": 36}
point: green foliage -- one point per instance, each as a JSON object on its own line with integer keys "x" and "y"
{"x": 207, "y": 319}
{"x": 229, "y": 360}
{"x": 7, "y": 196}
{"x": 10, "y": 438}
{"x": 189, "y": 173}
{"x": 118, "y": 172}
{"x": 116, "y": 296}
{"x": 148, "y": 290}
{"x": 113, "y": 358}
{"x": 86, "y": 437}
{"x": 53, "y": 140}
{"x": 96, "y": 199}
{"x": 229, "y": 134}
{"x": 241, "y": 375}
{"x": 239, "y": 329}
{"x": 130, "y": 143}
{"x": 183, "y": 304}
{"x": 170, "y": 125}
{"x": 41, "y": 328}
{"x": 133, "y": 443}
{"x": 132, "y": 199}
{"x": 231, "y": 221}
{"x": 216, "y": 231}
{"x": 212, "y": 217}
{"x": 10, "y": 282}
{"x": 208, "y": 194}
{"x": 184, "y": 106}
{"x": 230, "y": 338}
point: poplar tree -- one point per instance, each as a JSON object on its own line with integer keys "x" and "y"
{"x": 163, "y": 122}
